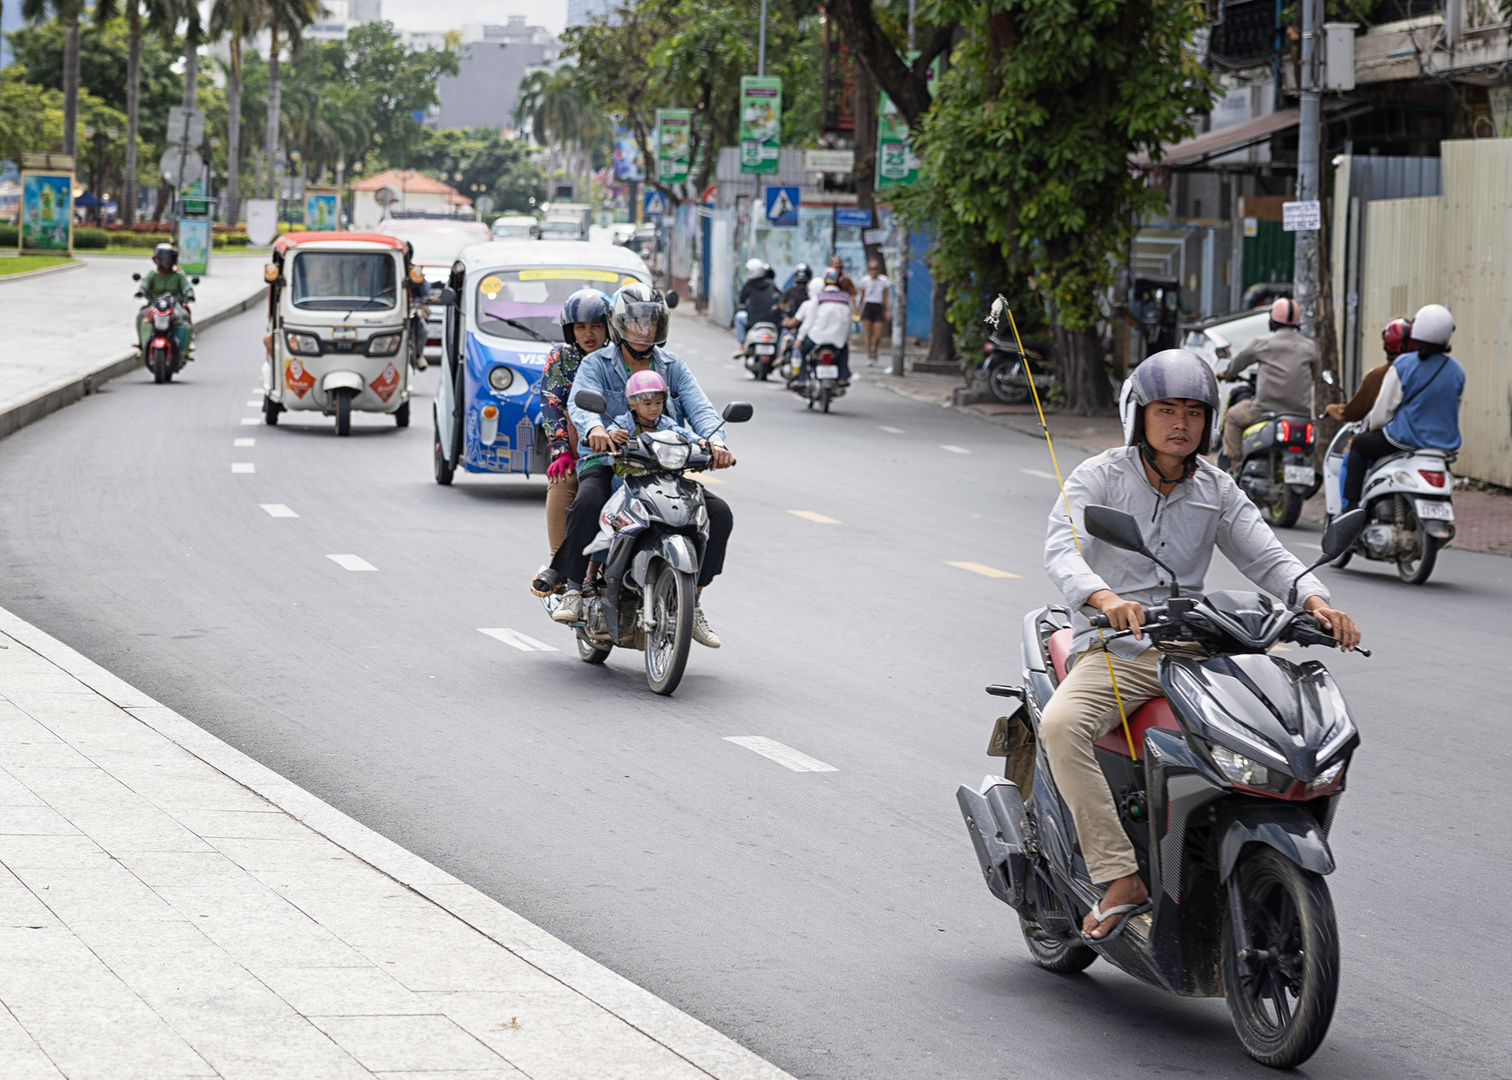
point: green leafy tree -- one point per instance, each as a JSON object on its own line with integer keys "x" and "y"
{"x": 397, "y": 82}
{"x": 286, "y": 21}
{"x": 69, "y": 13}
{"x": 1026, "y": 153}
{"x": 31, "y": 116}
{"x": 238, "y": 21}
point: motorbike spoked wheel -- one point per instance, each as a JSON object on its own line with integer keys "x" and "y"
{"x": 1052, "y": 953}
{"x": 344, "y": 411}
{"x": 671, "y": 632}
{"x": 1007, "y": 382}
{"x": 1416, "y": 566}
{"x": 589, "y": 651}
{"x": 1281, "y": 996}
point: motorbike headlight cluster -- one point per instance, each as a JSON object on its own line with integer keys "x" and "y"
{"x": 672, "y": 455}
{"x": 384, "y": 344}
{"x": 162, "y": 320}
{"x": 1240, "y": 769}
{"x": 303, "y": 344}
{"x": 501, "y": 378}
{"x": 1326, "y": 778}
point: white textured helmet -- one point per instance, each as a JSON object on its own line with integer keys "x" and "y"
{"x": 1173, "y": 373}
{"x": 1433, "y": 324}
{"x": 755, "y": 267}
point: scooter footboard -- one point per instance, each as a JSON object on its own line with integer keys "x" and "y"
{"x": 1290, "y": 829}
{"x": 992, "y": 817}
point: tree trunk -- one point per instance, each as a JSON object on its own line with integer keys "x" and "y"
{"x": 864, "y": 171}
{"x": 133, "y": 103}
{"x": 273, "y": 104}
{"x": 70, "y": 84}
{"x": 941, "y": 336}
{"x": 191, "y": 72}
{"x": 233, "y": 134}
{"x": 1081, "y": 365}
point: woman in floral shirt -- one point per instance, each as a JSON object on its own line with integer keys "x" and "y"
{"x": 585, "y": 328}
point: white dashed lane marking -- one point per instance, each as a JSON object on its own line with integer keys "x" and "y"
{"x": 254, "y": 404}
{"x": 351, "y": 562}
{"x": 243, "y": 442}
{"x": 780, "y": 753}
{"x": 279, "y": 510}
{"x": 893, "y": 430}
{"x": 954, "y": 449}
{"x": 516, "y": 640}
{"x": 248, "y": 421}
{"x": 243, "y": 467}
{"x": 1041, "y": 473}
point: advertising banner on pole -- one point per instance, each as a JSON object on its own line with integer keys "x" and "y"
{"x": 194, "y": 245}
{"x": 46, "y": 212}
{"x": 320, "y": 210}
{"x": 673, "y": 130}
{"x": 896, "y": 163}
{"x": 760, "y": 124}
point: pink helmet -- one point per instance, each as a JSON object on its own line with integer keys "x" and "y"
{"x": 1284, "y": 312}
{"x": 644, "y": 383}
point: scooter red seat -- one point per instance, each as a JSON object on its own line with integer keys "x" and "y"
{"x": 1155, "y": 713}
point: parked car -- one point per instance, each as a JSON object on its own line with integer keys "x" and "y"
{"x": 436, "y": 243}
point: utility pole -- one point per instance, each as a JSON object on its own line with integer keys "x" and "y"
{"x": 1305, "y": 265}
{"x": 761, "y": 44}
{"x": 900, "y": 272}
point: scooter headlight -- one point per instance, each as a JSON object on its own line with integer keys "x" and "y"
{"x": 162, "y": 320}
{"x": 1240, "y": 769}
{"x": 672, "y": 455}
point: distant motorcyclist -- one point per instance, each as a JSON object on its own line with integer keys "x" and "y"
{"x": 166, "y": 277}
{"x": 1188, "y": 508}
{"x": 797, "y": 291}
{"x": 1395, "y": 337}
{"x": 760, "y": 300}
{"x": 1419, "y": 402}
{"x": 825, "y": 319}
{"x": 1288, "y": 365}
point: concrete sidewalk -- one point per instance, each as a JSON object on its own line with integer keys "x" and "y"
{"x": 170, "y": 908}
{"x": 66, "y": 334}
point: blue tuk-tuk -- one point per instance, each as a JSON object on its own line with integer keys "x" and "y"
{"x": 503, "y": 309}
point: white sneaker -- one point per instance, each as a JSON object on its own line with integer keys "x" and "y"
{"x": 571, "y": 609}
{"x": 701, "y": 632}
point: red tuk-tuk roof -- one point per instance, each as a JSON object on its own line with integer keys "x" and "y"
{"x": 288, "y": 240}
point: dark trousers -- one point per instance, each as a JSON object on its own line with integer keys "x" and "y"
{"x": 583, "y": 525}
{"x": 842, "y": 359}
{"x": 1368, "y": 447}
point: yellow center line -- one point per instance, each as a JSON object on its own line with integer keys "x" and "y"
{"x": 703, "y": 478}
{"x": 985, "y": 571}
{"x": 809, "y": 515}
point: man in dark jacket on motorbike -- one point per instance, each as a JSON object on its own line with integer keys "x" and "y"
{"x": 797, "y": 291}
{"x": 1288, "y": 364}
{"x": 1187, "y": 507}
{"x": 760, "y": 300}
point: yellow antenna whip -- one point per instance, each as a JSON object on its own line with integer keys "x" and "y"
{"x": 1075, "y": 538}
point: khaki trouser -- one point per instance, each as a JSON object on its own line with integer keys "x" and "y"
{"x": 1081, "y": 711}
{"x": 1240, "y": 415}
{"x": 560, "y": 492}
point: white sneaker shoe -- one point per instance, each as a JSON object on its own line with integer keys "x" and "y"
{"x": 701, "y": 632}
{"x": 571, "y": 609}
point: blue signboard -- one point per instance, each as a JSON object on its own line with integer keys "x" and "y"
{"x": 853, "y": 215}
{"x": 653, "y": 203}
{"x": 782, "y": 207}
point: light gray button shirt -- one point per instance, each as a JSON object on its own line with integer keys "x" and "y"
{"x": 1182, "y": 529}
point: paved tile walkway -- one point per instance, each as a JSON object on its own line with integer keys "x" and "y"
{"x": 169, "y": 908}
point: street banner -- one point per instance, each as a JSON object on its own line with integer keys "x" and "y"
{"x": 673, "y": 142}
{"x": 320, "y": 211}
{"x": 896, "y": 164}
{"x": 627, "y": 159}
{"x": 760, "y": 124}
{"x": 782, "y": 207}
{"x": 262, "y": 221}
{"x": 46, "y": 212}
{"x": 194, "y": 245}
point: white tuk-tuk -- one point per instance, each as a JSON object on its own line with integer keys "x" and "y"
{"x": 338, "y": 308}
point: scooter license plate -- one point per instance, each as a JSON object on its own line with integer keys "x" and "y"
{"x": 827, "y": 371}
{"x": 1434, "y": 510}
{"x": 764, "y": 350}
{"x": 1298, "y": 474}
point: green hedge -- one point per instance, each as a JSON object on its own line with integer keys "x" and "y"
{"x": 90, "y": 239}
{"x": 9, "y": 236}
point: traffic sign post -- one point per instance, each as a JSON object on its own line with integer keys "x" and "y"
{"x": 653, "y": 203}
{"x": 782, "y": 206}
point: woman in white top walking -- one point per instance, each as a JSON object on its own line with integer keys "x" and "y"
{"x": 876, "y": 307}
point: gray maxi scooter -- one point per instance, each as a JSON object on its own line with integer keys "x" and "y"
{"x": 1228, "y": 798}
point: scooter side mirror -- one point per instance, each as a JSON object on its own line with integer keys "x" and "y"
{"x": 1115, "y": 527}
{"x": 194, "y": 281}
{"x": 1328, "y": 377}
{"x": 136, "y": 277}
{"x": 447, "y": 297}
{"x": 673, "y": 299}
{"x": 590, "y": 401}
{"x": 737, "y": 412}
{"x": 1342, "y": 533}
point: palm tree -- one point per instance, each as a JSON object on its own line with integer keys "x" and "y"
{"x": 289, "y": 17}
{"x": 237, "y": 21}
{"x": 70, "y": 11}
{"x": 158, "y": 11}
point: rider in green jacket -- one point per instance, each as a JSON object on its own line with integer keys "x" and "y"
{"x": 166, "y": 277}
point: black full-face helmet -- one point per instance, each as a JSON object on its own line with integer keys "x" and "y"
{"x": 166, "y": 257}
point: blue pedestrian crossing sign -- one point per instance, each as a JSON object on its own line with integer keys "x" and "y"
{"x": 654, "y": 203}
{"x": 782, "y": 207}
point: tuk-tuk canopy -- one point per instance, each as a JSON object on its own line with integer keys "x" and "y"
{"x": 291, "y": 239}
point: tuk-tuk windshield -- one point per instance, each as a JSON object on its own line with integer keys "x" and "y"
{"x": 343, "y": 281}
{"x": 527, "y": 304}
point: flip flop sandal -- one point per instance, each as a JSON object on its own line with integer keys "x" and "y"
{"x": 1126, "y": 910}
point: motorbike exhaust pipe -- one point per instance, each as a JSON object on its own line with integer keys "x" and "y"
{"x": 993, "y": 816}
{"x": 488, "y": 426}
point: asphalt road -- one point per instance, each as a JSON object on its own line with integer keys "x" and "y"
{"x": 835, "y": 921}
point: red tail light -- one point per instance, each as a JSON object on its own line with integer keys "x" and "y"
{"x": 1434, "y": 478}
{"x": 1309, "y": 437}
{"x": 1283, "y": 429}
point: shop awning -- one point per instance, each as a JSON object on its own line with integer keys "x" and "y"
{"x": 1213, "y": 143}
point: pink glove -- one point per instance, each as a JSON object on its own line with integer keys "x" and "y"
{"x": 560, "y": 466}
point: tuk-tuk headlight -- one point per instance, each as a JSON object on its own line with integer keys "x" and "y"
{"x": 501, "y": 378}
{"x": 384, "y": 344}
{"x": 303, "y": 344}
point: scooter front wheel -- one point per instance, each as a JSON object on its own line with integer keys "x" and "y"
{"x": 1280, "y": 980}
{"x": 670, "y": 635}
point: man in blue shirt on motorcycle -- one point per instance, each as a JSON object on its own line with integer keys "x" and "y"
{"x": 637, "y": 331}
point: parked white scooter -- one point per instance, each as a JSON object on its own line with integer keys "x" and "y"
{"x": 1408, "y": 501}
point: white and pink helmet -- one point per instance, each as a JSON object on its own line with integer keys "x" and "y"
{"x": 643, "y": 384}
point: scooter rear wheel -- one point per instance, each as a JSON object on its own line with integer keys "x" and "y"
{"x": 1417, "y": 567}
{"x": 1281, "y": 995}
{"x": 1052, "y": 953}
{"x": 590, "y": 653}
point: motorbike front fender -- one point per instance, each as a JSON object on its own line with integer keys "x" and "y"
{"x": 1289, "y": 828}
{"x": 342, "y": 380}
{"x": 679, "y": 553}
